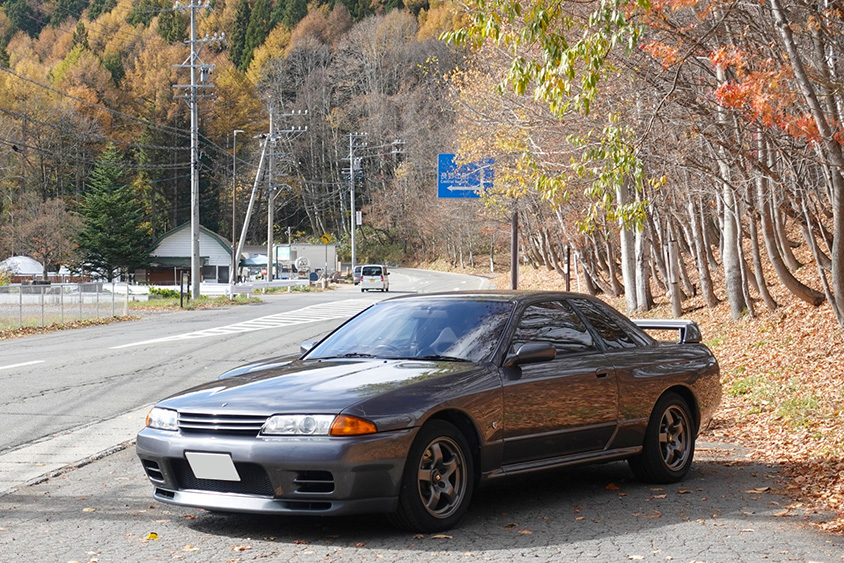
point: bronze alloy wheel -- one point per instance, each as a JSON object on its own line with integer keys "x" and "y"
{"x": 669, "y": 442}
{"x": 442, "y": 477}
{"x": 675, "y": 437}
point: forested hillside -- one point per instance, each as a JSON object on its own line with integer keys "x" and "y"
{"x": 77, "y": 79}
{"x": 673, "y": 148}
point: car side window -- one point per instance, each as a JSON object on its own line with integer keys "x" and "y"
{"x": 609, "y": 329}
{"x": 557, "y": 323}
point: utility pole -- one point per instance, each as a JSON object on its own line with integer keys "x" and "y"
{"x": 196, "y": 67}
{"x": 268, "y": 154}
{"x": 352, "y": 146}
{"x": 273, "y": 190}
{"x": 235, "y": 257}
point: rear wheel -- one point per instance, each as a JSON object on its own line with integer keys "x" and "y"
{"x": 669, "y": 444}
{"x": 438, "y": 479}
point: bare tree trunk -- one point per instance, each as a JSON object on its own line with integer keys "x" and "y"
{"x": 628, "y": 253}
{"x": 730, "y": 256}
{"x": 587, "y": 278}
{"x": 673, "y": 267}
{"x": 656, "y": 254}
{"x": 832, "y": 150}
{"x": 786, "y": 277}
{"x": 784, "y": 244}
{"x": 745, "y": 275}
{"x": 813, "y": 244}
{"x": 644, "y": 299}
{"x": 688, "y": 287}
{"x": 617, "y": 288}
{"x": 761, "y": 284}
{"x": 701, "y": 261}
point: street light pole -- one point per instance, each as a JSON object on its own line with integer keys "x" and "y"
{"x": 353, "y": 225}
{"x": 232, "y": 273}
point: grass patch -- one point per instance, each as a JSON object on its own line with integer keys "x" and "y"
{"x": 294, "y": 289}
{"x": 6, "y": 334}
{"x": 201, "y": 302}
{"x": 800, "y": 411}
{"x": 744, "y": 386}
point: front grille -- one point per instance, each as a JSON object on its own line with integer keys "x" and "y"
{"x": 228, "y": 424}
{"x": 253, "y": 480}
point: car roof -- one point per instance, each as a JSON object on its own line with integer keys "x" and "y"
{"x": 515, "y": 295}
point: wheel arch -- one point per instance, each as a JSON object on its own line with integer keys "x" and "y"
{"x": 467, "y": 427}
{"x": 687, "y": 395}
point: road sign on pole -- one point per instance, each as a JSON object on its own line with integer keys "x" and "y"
{"x": 464, "y": 181}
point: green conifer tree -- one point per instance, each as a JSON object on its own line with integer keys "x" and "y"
{"x": 259, "y": 28}
{"x": 114, "y": 236}
{"x": 294, "y": 12}
{"x": 237, "y": 37}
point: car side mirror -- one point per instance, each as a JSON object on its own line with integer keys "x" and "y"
{"x": 531, "y": 353}
{"x": 306, "y": 346}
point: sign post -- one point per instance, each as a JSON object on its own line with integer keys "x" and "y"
{"x": 468, "y": 181}
{"x": 464, "y": 181}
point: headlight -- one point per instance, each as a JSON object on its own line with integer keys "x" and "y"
{"x": 317, "y": 425}
{"x": 298, "y": 425}
{"x": 163, "y": 419}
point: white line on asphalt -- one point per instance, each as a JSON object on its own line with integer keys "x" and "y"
{"x": 314, "y": 313}
{"x": 23, "y": 364}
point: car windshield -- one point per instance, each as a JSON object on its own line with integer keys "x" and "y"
{"x": 436, "y": 328}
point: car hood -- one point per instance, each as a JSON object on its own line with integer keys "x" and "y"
{"x": 310, "y": 386}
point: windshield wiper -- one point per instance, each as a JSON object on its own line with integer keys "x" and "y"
{"x": 355, "y": 355}
{"x": 437, "y": 357}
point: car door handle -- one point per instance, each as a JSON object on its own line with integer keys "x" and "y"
{"x": 602, "y": 375}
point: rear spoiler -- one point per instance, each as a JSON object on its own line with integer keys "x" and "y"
{"x": 689, "y": 331}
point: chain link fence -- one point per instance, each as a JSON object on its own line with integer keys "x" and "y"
{"x": 43, "y": 305}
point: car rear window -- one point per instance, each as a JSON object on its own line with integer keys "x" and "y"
{"x": 372, "y": 271}
{"x": 608, "y": 325}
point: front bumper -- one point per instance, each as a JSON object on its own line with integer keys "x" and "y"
{"x": 286, "y": 475}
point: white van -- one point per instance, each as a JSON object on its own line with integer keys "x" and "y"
{"x": 374, "y": 276}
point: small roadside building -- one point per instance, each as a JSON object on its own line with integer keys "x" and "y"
{"x": 170, "y": 257}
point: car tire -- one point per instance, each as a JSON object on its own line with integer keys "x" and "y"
{"x": 438, "y": 480}
{"x": 669, "y": 443}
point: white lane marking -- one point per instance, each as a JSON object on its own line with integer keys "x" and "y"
{"x": 314, "y": 313}
{"x": 23, "y": 364}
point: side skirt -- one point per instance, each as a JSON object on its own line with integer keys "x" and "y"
{"x": 563, "y": 461}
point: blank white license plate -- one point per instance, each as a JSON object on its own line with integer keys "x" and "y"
{"x": 212, "y": 466}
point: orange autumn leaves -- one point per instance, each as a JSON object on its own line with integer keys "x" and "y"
{"x": 753, "y": 80}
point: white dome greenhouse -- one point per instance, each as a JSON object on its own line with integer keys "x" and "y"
{"x": 22, "y": 266}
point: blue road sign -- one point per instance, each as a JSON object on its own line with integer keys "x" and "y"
{"x": 466, "y": 181}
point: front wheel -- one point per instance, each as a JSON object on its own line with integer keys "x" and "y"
{"x": 437, "y": 482}
{"x": 669, "y": 444}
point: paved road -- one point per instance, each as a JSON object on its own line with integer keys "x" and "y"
{"x": 86, "y": 506}
{"x": 104, "y": 512}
